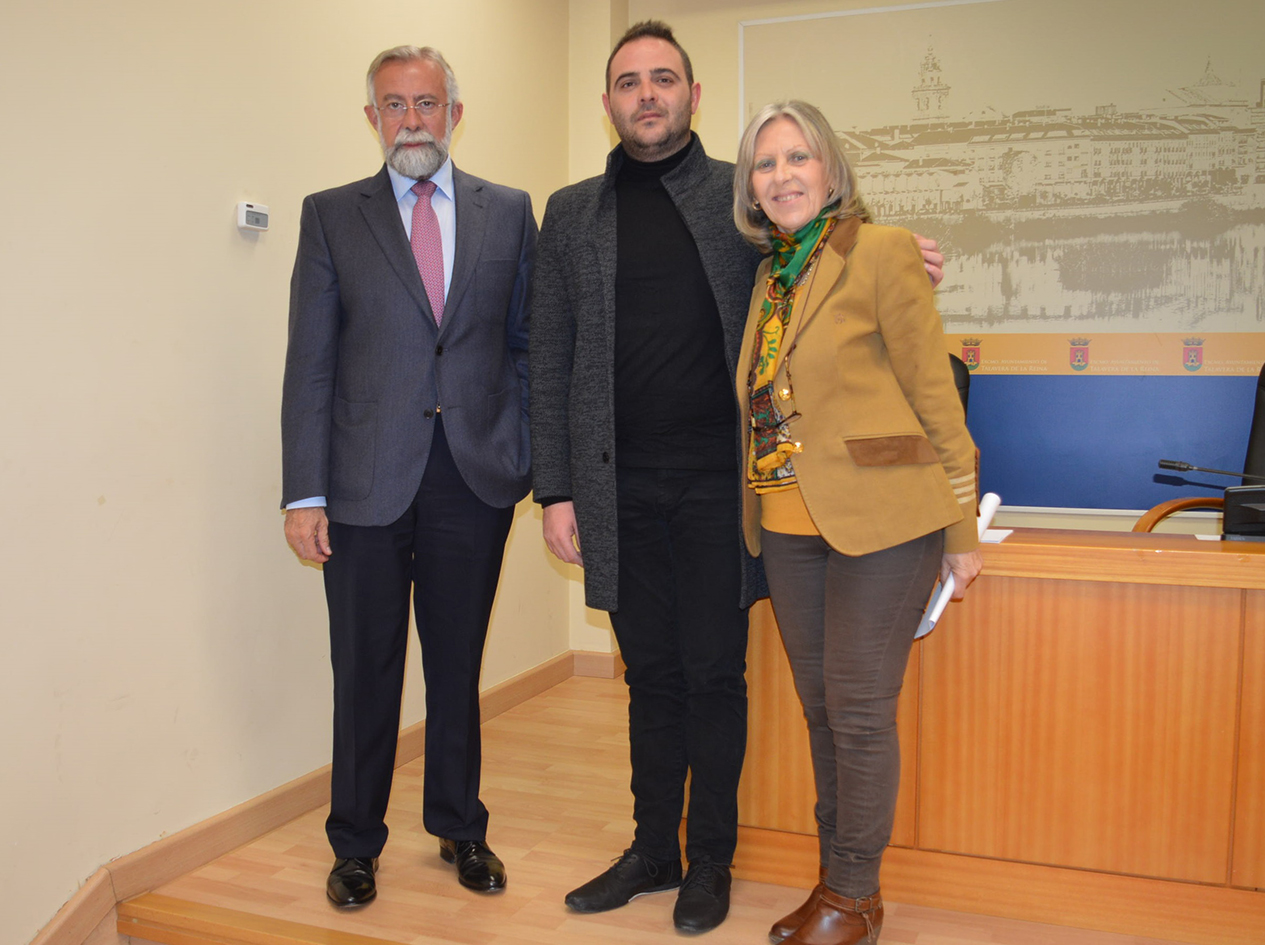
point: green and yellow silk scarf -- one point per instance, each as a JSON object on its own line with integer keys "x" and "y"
{"x": 769, "y": 466}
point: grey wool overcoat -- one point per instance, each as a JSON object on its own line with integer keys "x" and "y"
{"x": 572, "y": 347}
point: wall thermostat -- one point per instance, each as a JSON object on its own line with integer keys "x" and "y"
{"x": 252, "y": 216}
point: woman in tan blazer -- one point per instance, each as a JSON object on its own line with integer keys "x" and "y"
{"x": 861, "y": 478}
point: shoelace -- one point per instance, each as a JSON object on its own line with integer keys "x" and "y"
{"x": 705, "y": 874}
{"x": 628, "y": 860}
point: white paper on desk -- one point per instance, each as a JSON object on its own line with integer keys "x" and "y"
{"x": 943, "y": 593}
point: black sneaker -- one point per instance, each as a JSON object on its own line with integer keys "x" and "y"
{"x": 632, "y": 875}
{"x": 703, "y": 901}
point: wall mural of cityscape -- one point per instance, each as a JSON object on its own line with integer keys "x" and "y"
{"x": 1092, "y": 169}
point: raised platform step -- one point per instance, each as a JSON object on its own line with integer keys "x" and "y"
{"x": 556, "y": 781}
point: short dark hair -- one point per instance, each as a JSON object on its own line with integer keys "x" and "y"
{"x": 650, "y": 29}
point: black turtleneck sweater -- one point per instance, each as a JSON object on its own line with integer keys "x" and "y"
{"x": 674, "y": 404}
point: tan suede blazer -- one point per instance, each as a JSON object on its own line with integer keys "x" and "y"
{"x": 885, "y": 456}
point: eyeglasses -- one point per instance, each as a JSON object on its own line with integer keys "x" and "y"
{"x": 396, "y": 111}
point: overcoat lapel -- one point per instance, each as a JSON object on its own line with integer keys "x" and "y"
{"x": 603, "y": 236}
{"x": 382, "y": 214}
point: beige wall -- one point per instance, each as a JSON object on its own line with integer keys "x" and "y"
{"x": 164, "y": 655}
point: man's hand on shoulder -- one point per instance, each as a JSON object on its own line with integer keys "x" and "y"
{"x": 307, "y": 531}
{"x": 561, "y": 535}
{"x": 932, "y": 259}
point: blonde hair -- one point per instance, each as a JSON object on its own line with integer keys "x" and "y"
{"x": 824, "y": 144}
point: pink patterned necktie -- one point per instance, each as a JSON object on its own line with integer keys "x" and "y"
{"x": 428, "y": 247}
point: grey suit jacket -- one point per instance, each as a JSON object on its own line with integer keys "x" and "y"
{"x": 573, "y": 347}
{"x": 366, "y": 366}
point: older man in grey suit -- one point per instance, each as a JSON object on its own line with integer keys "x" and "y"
{"x": 405, "y": 449}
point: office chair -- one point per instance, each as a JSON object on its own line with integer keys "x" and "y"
{"x": 1253, "y": 462}
{"x": 962, "y": 379}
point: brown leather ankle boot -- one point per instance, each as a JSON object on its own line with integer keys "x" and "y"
{"x": 838, "y": 920}
{"x": 787, "y": 925}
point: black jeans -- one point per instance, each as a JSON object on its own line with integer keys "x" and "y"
{"x": 683, "y": 638}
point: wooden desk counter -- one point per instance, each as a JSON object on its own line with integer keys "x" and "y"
{"x": 1128, "y": 558}
{"x": 1083, "y": 742}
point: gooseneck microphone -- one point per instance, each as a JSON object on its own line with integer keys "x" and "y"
{"x": 1179, "y": 466}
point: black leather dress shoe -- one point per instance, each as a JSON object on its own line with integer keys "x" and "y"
{"x": 703, "y": 901}
{"x": 632, "y": 875}
{"x": 478, "y": 867}
{"x": 351, "y": 881}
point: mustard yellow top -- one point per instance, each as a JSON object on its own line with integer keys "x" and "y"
{"x": 784, "y": 512}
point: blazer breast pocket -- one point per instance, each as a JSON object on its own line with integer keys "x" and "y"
{"x": 353, "y": 434}
{"x": 902, "y": 449}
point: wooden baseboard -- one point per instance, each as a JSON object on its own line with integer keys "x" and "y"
{"x": 518, "y": 689}
{"x": 1129, "y": 905}
{"x": 81, "y": 920}
{"x": 601, "y": 665}
{"x": 107, "y": 931}
{"x": 194, "y": 846}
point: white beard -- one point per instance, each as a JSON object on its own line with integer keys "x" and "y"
{"x": 417, "y": 163}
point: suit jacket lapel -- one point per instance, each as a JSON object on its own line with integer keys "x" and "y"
{"x": 382, "y": 214}
{"x": 472, "y": 224}
{"x": 830, "y": 266}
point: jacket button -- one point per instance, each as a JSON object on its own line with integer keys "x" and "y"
{"x": 428, "y": 414}
{"x": 606, "y": 457}
{"x": 439, "y": 349}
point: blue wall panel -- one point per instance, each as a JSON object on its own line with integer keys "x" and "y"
{"x": 1093, "y": 442}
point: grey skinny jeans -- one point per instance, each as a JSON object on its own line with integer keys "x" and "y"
{"x": 848, "y": 624}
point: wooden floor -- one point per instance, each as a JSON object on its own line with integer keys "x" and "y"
{"x": 556, "y": 781}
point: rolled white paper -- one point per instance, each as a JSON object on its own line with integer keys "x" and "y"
{"x": 943, "y": 593}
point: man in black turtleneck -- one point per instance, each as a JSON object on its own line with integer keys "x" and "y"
{"x": 639, "y": 303}
{"x": 640, "y": 299}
